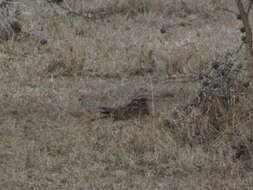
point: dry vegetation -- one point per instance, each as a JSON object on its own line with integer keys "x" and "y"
{"x": 62, "y": 60}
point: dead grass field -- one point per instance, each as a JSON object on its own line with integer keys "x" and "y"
{"x": 73, "y": 57}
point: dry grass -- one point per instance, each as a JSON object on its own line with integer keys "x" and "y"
{"x": 73, "y": 57}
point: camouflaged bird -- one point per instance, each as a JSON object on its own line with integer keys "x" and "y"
{"x": 135, "y": 108}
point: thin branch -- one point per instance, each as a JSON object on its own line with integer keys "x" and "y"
{"x": 249, "y": 7}
{"x": 226, "y": 10}
{"x": 245, "y": 21}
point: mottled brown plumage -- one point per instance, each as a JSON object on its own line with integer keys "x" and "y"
{"x": 135, "y": 108}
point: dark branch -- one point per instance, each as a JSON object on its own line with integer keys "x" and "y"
{"x": 245, "y": 21}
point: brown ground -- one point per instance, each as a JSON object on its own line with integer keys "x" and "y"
{"x": 50, "y": 94}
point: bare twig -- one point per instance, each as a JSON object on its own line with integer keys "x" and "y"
{"x": 249, "y": 7}
{"x": 245, "y": 21}
{"x": 226, "y": 10}
{"x": 244, "y": 16}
